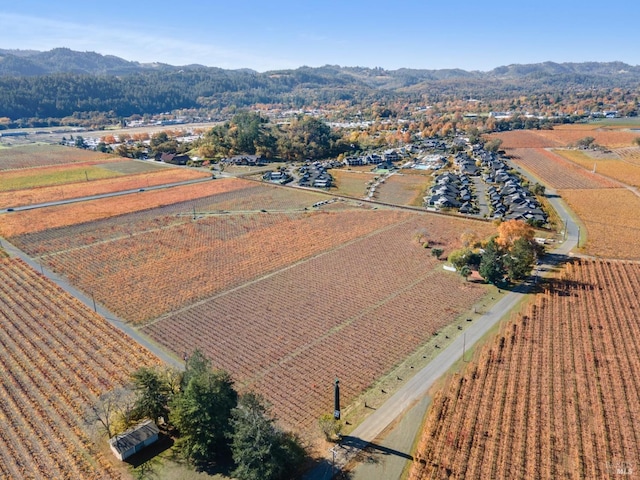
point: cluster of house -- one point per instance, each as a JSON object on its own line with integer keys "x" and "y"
{"x": 278, "y": 176}
{"x": 452, "y": 190}
{"x": 246, "y": 160}
{"x": 384, "y": 161}
{"x": 315, "y": 175}
{"x": 509, "y": 199}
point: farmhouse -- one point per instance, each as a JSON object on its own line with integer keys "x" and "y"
{"x": 134, "y": 439}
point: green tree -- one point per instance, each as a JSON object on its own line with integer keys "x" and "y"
{"x": 152, "y": 394}
{"x": 519, "y": 260}
{"x": 436, "y": 252}
{"x": 493, "y": 145}
{"x": 260, "y": 450}
{"x": 491, "y": 267}
{"x": 201, "y": 413}
{"x": 460, "y": 258}
{"x": 306, "y": 137}
{"x": 465, "y": 272}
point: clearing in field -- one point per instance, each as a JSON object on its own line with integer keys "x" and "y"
{"x": 609, "y": 166}
{"x": 611, "y": 218}
{"x": 404, "y": 188}
{"x": 556, "y": 172}
{"x": 352, "y": 183}
{"x": 57, "y": 357}
{"x": 555, "y": 395}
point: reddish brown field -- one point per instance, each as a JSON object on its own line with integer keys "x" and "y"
{"x": 611, "y": 218}
{"x": 566, "y": 136}
{"x": 44, "y": 194}
{"x": 606, "y": 136}
{"x": 57, "y": 357}
{"x": 556, "y": 395}
{"x": 152, "y": 273}
{"x": 29, "y": 156}
{"x": 353, "y": 312}
{"x": 525, "y": 139}
{"x": 556, "y": 172}
{"x": 30, "y": 221}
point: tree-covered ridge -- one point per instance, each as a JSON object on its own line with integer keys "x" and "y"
{"x": 42, "y": 86}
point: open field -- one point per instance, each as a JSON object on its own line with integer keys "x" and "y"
{"x": 615, "y": 168}
{"x": 57, "y": 357}
{"x": 352, "y": 312}
{"x": 38, "y": 155}
{"x": 557, "y": 172}
{"x": 609, "y": 136}
{"x": 611, "y": 218}
{"x": 555, "y": 395}
{"x": 404, "y": 189}
{"x": 352, "y": 183}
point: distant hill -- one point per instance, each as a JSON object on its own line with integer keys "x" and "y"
{"x": 63, "y": 82}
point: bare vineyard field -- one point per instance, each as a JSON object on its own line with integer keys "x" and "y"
{"x": 83, "y": 188}
{"x": 353, "y": 312}
{"x": 525, "y": 139}
{"x": 611, "y": 219}
{"x": 557, "y": 172}
{"x": 56, "y": 357}
{"x": 617, "y": 169}
{"x": 555, "y": 395}
{"x": 31, "y": 221}
{"x": 39, "y": 155}
{"x": 604, "y": 135}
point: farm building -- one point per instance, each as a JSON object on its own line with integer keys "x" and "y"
{"x": 134, "y": 439}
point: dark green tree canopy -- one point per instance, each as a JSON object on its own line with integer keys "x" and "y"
{"x": 260, "y": 450}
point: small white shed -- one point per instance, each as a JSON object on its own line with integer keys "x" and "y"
{"x": 134, "y": 439}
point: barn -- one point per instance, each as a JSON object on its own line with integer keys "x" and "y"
{"x": 134, "y": 439}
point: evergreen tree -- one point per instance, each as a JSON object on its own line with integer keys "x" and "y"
{"x": 260, "y": 450}
{"x": 491, "y": 267}
{"x": 152, "y": 394}
{"x": 202, "y": 410}
{"x": 519, "y": 261}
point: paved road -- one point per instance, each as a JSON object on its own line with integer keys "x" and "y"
{"x": 371, "y": 429}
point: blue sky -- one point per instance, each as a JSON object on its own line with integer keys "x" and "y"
{"x": 267, "y": 35}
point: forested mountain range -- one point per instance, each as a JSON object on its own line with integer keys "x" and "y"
{"x": 61, "y": 83}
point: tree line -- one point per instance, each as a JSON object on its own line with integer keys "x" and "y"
{"x": 49, "y": 99}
